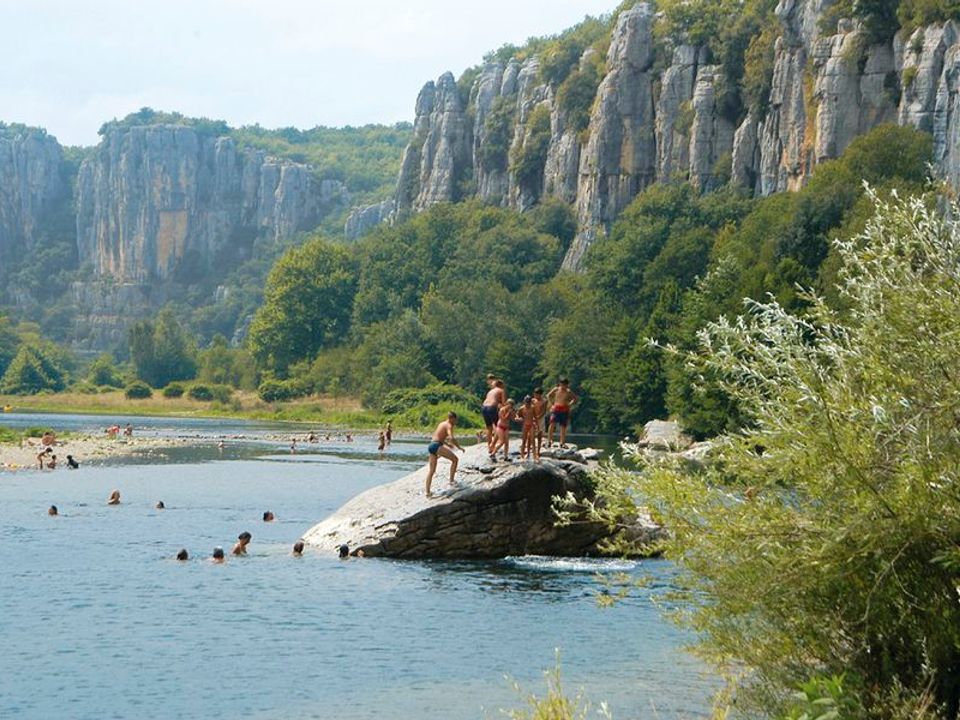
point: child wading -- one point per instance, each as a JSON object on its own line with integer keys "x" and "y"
{"x": 440, "y": 447}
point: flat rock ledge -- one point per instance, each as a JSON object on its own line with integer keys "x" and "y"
{"x": 496, "y": 509}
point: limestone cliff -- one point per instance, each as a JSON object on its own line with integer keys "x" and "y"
{"x": 156, "y": 201}
{"x": 31, "y": 187}
{"x": 659, "y": 114}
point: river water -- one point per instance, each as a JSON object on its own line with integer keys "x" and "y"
{"x": 98, "y": 621}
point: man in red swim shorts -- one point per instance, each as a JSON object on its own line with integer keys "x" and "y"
{"x": 561, "y": 399}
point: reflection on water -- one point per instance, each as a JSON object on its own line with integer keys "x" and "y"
{"x": 98, "y": 620}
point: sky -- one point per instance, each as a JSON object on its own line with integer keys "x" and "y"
{"x": 71, "y": 65}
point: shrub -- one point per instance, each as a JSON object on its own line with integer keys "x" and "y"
{"x": 31, "y": 371}
{"x": 398, "y": 401}
{"x": 174, "y": 390}
{"x": 279, "y": 390}
{"x": 202, "y": 393}
{"x": 138, "y": 390}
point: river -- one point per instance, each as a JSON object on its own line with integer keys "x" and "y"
{"x": 98, "y": 621}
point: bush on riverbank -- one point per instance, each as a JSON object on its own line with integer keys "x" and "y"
{"x": 138, "y": 390}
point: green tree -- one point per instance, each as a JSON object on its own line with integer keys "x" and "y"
{"x": 221, "y": 364}
{"x": 161, "y": 350}
{"x": 307, "y": 305}
{"x": 823, "y": 538}
{"x": 30, "y": 372}
{"x": 103, "y": 372}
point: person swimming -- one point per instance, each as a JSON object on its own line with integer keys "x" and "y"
{"x": 160, "y": 505}
{"x": 298, "y": 548}
{"x": 52, "y": 511}
{"x": 52, "y": 463}
{"x": 243, "y": 539}
{"x": 183, "y": 556}
{"x": 71, "y": 463}
{"x": 343, "y": 551}
{"x": 217, "y": 555}
{"x": 269, "y": 516}
{"x": 114, "y": 498}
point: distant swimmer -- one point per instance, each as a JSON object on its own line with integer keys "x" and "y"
{"x": 71, "y": 463}
{"x": 381, "y": 441}
{"x": 343, "y": 552}
{"x": 562, "y": 399}
{"x": 312, "y": 437}
{"x": 388, "y": 433}
{"x": 439, "y": 447}
{"x": 217, "y": 555}
{"x": 128, "y": 430}
{"x": 183, "y": 556}
{"x": 293, "y": 446}
{"x": 298, "y": 548}
{"x": 52, "y": 510}
{"x": 269, "y": 516}
{"x": 221, "y": 445}
{"x": 160, "y": 505}
{"x": 114, "y": 498}
{"x": 243, "y": 539}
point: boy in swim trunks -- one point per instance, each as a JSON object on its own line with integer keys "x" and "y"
{"x": 440, "y": 447}
{"x": 540, "y": 413}
{"x": 505, "y": 415}
{"x": 527, "y": 415}
{"x": 562, "y": 398}
{"x": 491, "y": 407}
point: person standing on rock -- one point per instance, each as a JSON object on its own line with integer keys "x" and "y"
{"x": 490, "y": 409}
{"x": 503, "y": 430}
{"x": 528, "y": 416}
{"x": 562, "y": 399}
{"x": 439, "y": 446}
{"x": 540, "y": 413}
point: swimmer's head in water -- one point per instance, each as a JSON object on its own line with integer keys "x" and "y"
{"x": 298, "y": 547}
{"x": 244, "y": 536}
{"x": 160, "y": 505}
{"x": 114, "y": 498}
{"x": 218, "y": 553}
{"x": 182, "y": 555}
{"x": 52, "y": 510}
{"x": 343, "y": 551}
{"x": 268, "y": 516}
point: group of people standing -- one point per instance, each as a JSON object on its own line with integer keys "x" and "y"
{"x": 498, "y": 412}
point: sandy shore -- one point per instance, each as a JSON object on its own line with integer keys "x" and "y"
{"x": 84, "y": 448}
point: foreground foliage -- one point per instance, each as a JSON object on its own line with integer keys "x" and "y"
{"x": 825, "y": 537}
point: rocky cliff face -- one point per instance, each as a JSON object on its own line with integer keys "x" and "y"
{"x": 156, "y": 199}
{"x": 31, "y": 186}
{"x": 646, "y": 125}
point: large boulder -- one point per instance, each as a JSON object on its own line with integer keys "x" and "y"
{"x": 496, "y": 510}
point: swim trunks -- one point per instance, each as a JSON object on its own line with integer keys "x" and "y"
{"x": 490, "y": 414}
{"x": 502, "y": 426}
{"x": 433, "y": 447}
{"x": 560, "y": 415}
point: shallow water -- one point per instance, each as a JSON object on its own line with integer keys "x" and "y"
{"x": 97, "y": 620}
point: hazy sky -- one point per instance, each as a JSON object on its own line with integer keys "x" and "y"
{"x": 70, "y": 65}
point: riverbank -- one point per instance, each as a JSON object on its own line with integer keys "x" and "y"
{"x": 340, "y": 412}
{"x": 22, "y": 455}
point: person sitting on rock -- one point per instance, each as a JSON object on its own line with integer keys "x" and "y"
{"x": 439, "y": 447}
{"x": 505, "y": 415}
{"x": 562, "y": 399}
